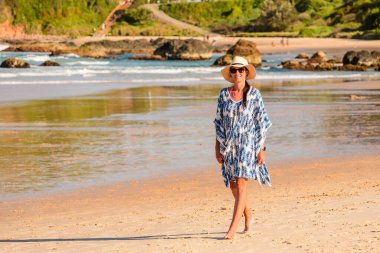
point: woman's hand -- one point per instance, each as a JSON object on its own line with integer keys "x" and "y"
{"x": 219, "y": 156}
{"x": 261, "y": 156}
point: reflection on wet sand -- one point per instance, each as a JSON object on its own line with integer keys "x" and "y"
{"x": 145, "y": 131}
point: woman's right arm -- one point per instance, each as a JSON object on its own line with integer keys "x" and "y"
{"x": 218, "y": 155}
{"x": 220, "y": 132}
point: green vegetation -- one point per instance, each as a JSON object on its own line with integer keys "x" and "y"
{"x": 70, "y": 17}
{"x": 222, "y": 16}
{"x": 5, "y": 12}
{"x": 295, "y": 18}
{"x": 303, "y": 18}
{"x": 140, "y": 21}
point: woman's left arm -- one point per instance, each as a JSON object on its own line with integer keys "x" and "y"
{"x": 263, "y": 123}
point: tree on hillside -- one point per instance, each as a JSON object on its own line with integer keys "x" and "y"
{"x": 276, "y": 15}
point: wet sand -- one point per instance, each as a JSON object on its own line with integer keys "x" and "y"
{"x": 325, "y": 205}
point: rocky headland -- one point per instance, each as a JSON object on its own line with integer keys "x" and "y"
{"x": 351, "y": 61}
{"x": 189, "y": 49}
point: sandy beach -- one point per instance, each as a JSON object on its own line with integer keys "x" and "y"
{"x": 315, "y": 205}
{"x": 328, "y": 205}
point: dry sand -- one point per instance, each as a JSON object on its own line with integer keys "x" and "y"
{"x": 325, "y": 205}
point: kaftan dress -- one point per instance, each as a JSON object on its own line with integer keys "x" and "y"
{"x": 241, "y": 132}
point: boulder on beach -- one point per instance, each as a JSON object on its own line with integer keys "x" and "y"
{"x": 108, "y": 48}
{"x": 190, "y": 49}
{"x": 349, "y": 57}
{"x": 302, "y": 56}
{"x": 50, "y": 64}
{"x": 363, "y": 58}
{"x": 291, "y": 64}
{"x": 14, "y": 63}
{"x": 352, "y": 61}
{"x": 318, "y": 57}
{"x": 244, "y": 48}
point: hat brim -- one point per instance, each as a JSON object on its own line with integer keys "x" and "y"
{"x": 227, "y": 75}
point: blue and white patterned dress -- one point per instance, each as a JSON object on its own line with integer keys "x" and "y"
{"x": 241, "y": 132}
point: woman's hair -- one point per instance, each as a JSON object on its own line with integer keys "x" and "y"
{"x": 245, "y": 92}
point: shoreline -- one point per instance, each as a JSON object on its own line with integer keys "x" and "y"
{"x": 191, "y": 211}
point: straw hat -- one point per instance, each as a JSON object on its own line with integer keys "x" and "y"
{"x": 238, "y": 62}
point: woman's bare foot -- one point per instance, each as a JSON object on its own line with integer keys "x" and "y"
{"x": 229, "y": 236}
{"x": 248, "y": 224}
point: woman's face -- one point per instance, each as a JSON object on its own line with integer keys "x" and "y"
{"x": 238, "y": 74}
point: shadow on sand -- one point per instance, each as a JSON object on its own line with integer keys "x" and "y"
{"x": 132, "y": 238}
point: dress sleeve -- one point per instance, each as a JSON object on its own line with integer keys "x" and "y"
{"x": 219, "y": 126}
{"x": 262, "y": 122}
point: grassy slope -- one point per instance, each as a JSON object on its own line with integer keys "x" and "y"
{"x": 70, "y": 17}
{"x": 315, "y": 18}
{"x": 140, "y": 21}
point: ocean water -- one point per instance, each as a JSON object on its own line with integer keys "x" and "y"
{"x": 101, "y": 121}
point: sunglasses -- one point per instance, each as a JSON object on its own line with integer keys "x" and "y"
{"x": 233, "y": 71}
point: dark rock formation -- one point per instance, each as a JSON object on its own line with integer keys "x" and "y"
{"x": 244, "y": 48}
{"x": 349, "y": 57}
{"x": 190, "y": 49}
{"x": 352, "y": 61}
{"x": 291, "y": 64}
{"x": 362, "y": 58}
{"x": 14, "y": 63}
{"x": 50, "y": 64}
{"x": 350, "y": 67}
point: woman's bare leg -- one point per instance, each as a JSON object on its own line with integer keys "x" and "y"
{"x": 247, "y": 212}
{"x": 240, "y": 204}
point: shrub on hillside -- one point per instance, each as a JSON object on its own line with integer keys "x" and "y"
{"x": 60, "y": 16}
{"x": 276, "y": 15}
{"x": 316, "y": 31}
{"x": 138, "y": 17}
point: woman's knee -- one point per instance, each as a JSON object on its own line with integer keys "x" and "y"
{"x": 241, "y": 183}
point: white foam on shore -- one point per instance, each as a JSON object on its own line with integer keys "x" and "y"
{"x": 3, "y": 46}
{"x": 35, "y": 58}
{"x": 161, "y": 80}
{"x": 169, "y": 70}
{"x": 55, "y": 82}
{"x": 87, "y": 63}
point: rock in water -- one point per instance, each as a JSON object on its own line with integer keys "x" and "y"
{"x": 302, "y": 56}
{"x": 50, "y": 63}
{"x": 362, "y": 58}
{"x": 14, "y": 63}
{"x": 318, "y": 57}
{"x": 190, "y": 49}
{"x": 349, "y": 57}
{"x": 244, "y": 48}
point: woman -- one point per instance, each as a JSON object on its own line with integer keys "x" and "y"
{"x": 241, "y": 124}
